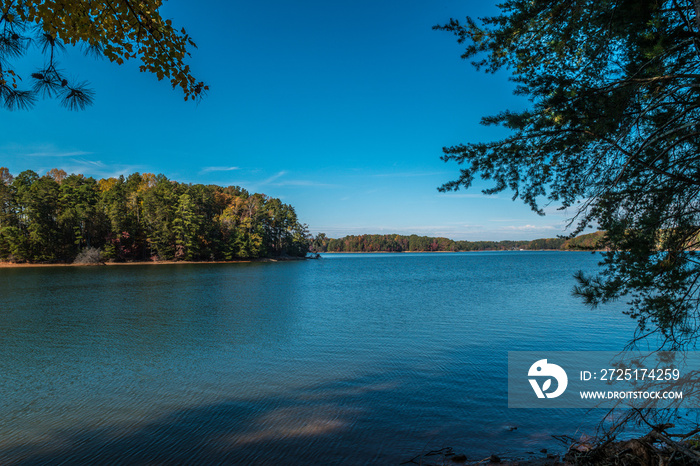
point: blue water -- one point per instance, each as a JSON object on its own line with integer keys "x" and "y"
{"x": 351, "y": 359}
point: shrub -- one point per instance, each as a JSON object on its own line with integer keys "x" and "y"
{"x": 89, "y": 256}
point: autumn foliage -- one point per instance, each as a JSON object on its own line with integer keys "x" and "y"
{"x": 53, "y": 218}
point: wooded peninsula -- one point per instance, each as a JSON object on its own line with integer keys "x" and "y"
{"x": 58, "y": 218}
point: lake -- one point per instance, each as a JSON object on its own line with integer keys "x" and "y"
{"x": 350, "y": 359}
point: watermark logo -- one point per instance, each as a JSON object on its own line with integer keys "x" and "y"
{"x": 543, "y": 369}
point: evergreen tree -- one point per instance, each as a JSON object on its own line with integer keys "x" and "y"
{"x": 612, "y": 130}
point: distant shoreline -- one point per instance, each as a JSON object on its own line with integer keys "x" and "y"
{"x": 415, "y": 243}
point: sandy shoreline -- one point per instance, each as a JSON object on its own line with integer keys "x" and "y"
{"x": 10, "y": 265}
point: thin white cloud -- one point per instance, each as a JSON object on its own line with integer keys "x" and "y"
{"x": 530, "y": 228}
{"x": 255, "y": 186}
{"x": 278, "y": 180}
{"x": 86, "y": 162}
{"x": 77, "y": 153}
{"x": 274, "y": 177}
{"x": 43, "y": 157}
{"x": 217, "y": 169}
{"x": 40, "y": 150}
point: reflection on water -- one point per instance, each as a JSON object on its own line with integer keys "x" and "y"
{"x": 353, "y": 358}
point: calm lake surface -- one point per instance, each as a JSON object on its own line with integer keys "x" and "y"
{"x": 351, "y": 359}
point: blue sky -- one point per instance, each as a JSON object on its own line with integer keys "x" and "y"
{"x": 338, "y": 108}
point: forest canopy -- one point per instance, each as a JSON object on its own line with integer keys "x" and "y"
{"x": 52, "y": 218}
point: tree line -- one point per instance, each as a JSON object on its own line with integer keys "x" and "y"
{"x": 415, "y": 243}
{"x": 52, "y": 218}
